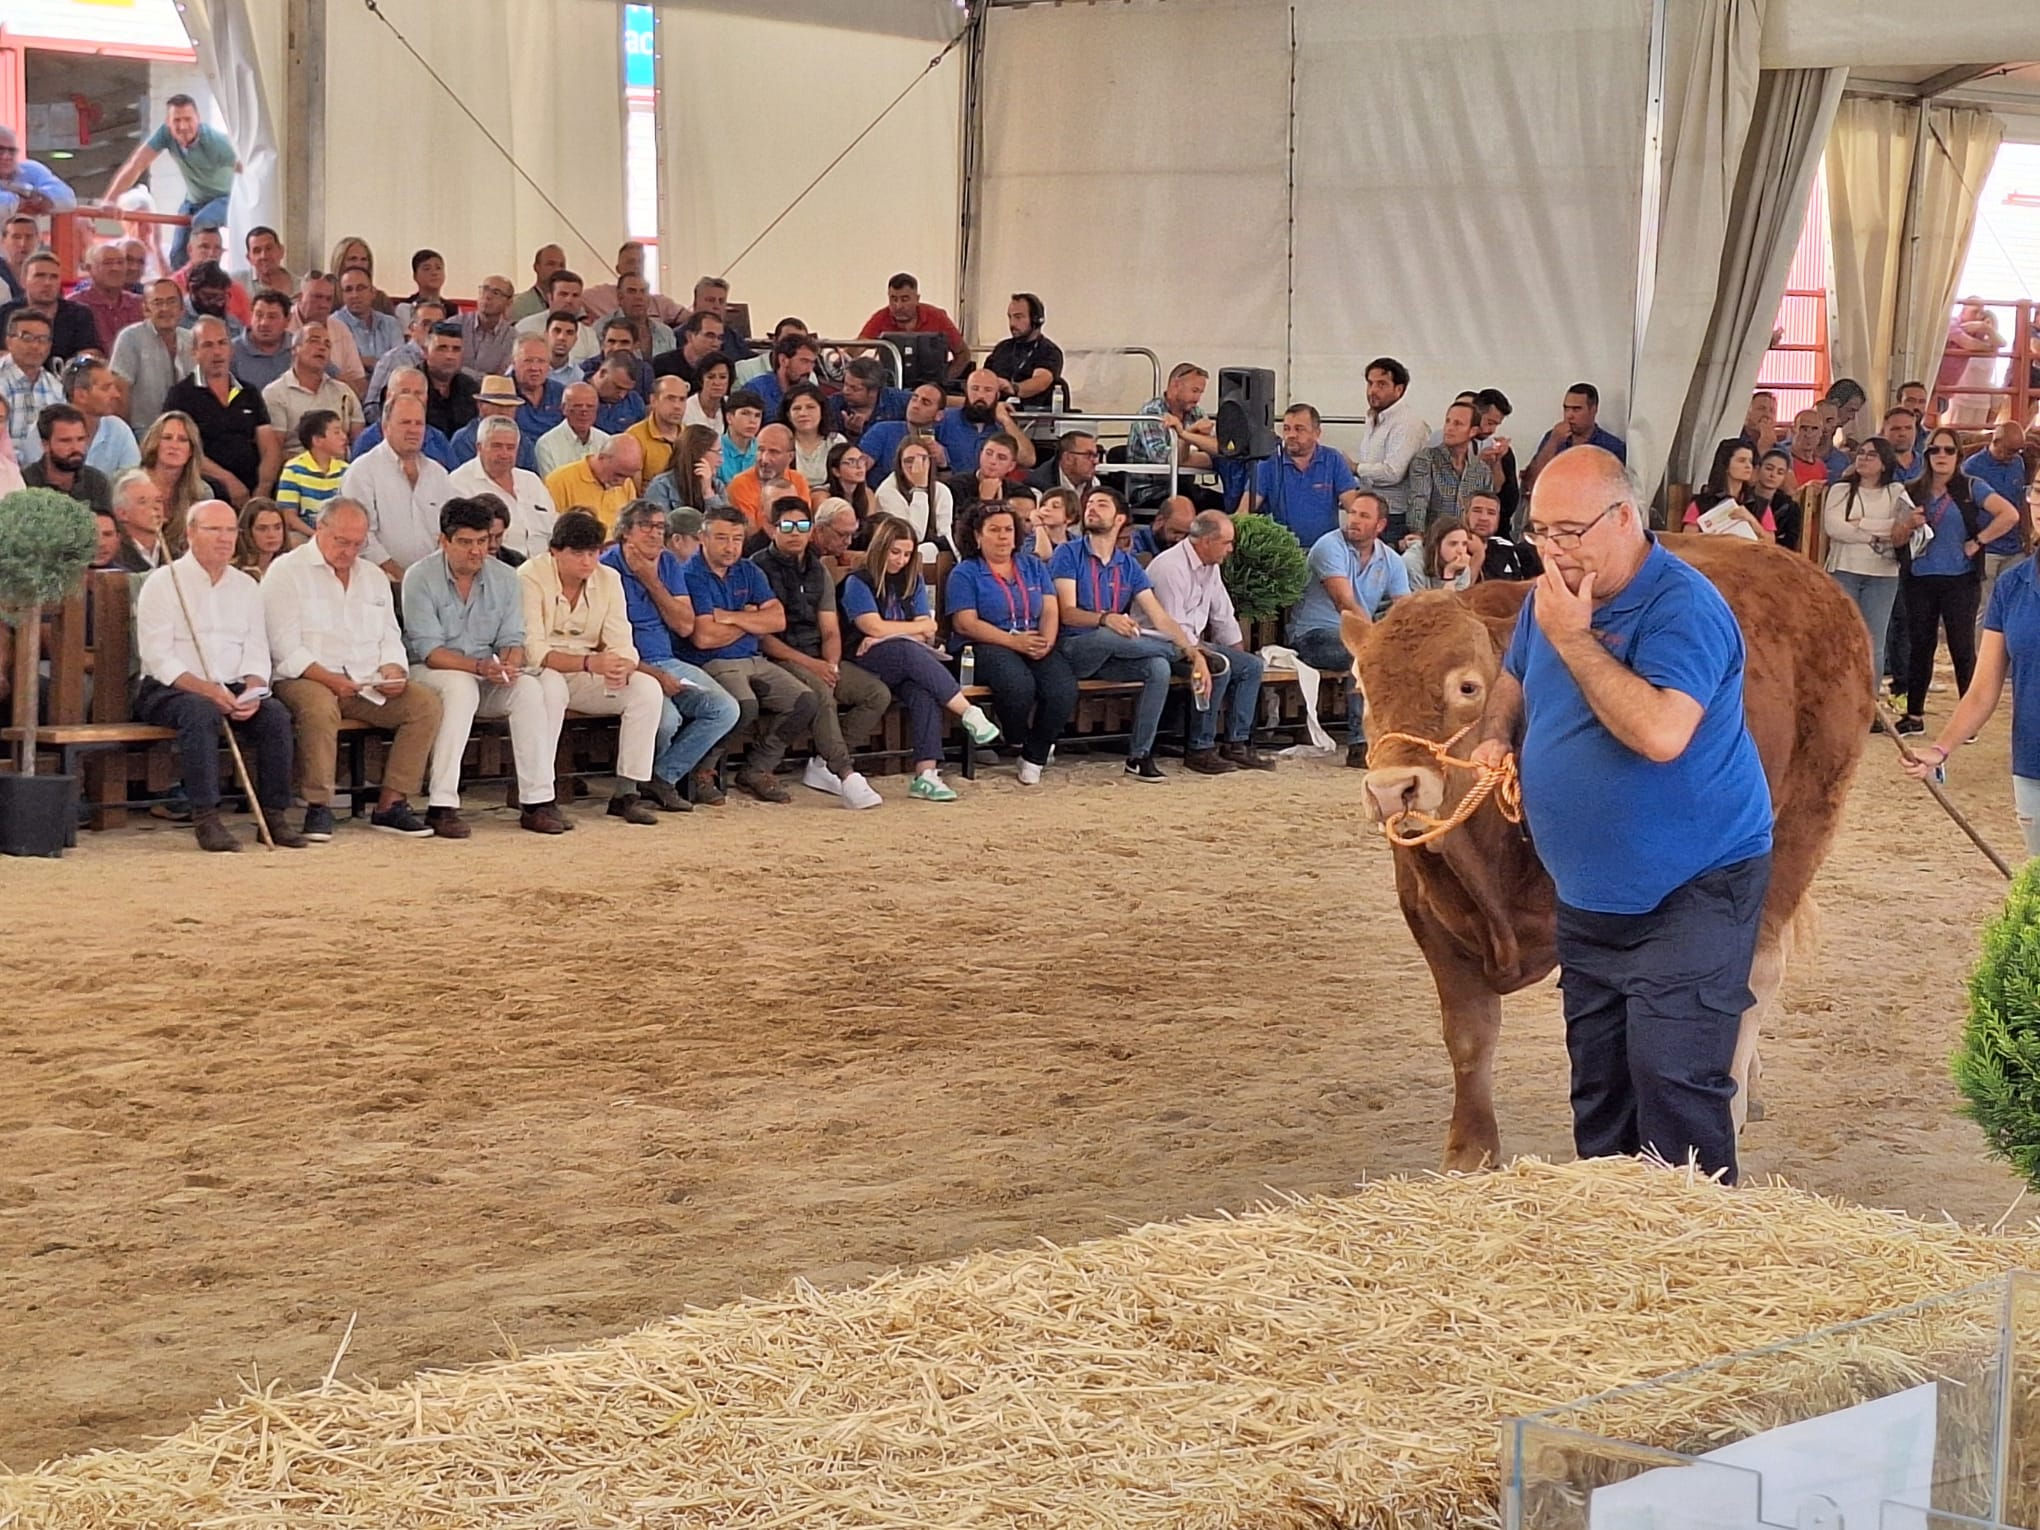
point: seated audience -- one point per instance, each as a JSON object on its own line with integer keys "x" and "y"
{"x": 209, "y": 293}
{"x": 1351, "y": 573}
{"x": 1170, "y": 525}
{"x": 577, "y": 633}
{"x": 171, "y": 454}
{"x": 751, "y": 368}
{"x": 743, "y": 420}
{"x": 563, "y": 302}
{"x": 987, "y": 473}
{"x": 689, "y": 481}
{"x": 496, "y": 398}
{"x": 658, "y": 433}
{"x": 313, "y": 476}
{"x": 1307, "y": 485}
{"x": 1496, "y": 450}
{"x": 706, "y": 404}
{"x": 849, "y": 701}
{"x": 72, "y": 329}
{"x": 918, "y": 417}
{"x": 242, "y": 449}
{"x": 1728, "y": 505}
{"x": 307, "y": 386}
{"x": 262, "y": 351}
{"x": 499, "y": 527}
{"x": 803, "y": 412}
{"x": 191, "y": 686}
{"x": 1099, "y": 588}
{"x": 400, "y": 489}
{"x": 866, "y": 398}
{"x": 1442, "y": 478}
{"x": 61, "y": 465}
{"x": 601, "y": 483}
{"x": 1027, "y": 363}
{"x": 835, "y": 536}
{"x": 772, "y": 463}
{"x": 536, "y": 298}
{"x": 577, "y": 433}
{"x": 1074, "y": 466}
{"x": 1448, "y": 558}
{"x": 338, "y": 652}
{"x": 618, "y": 403}
{"x": 733, "y": 607}
{"x": 27, "y": 384}
{"x": 905, "y": 314}
{"x": 1176, "y": 424}
{"x": 428, "y": 283}
{"x": 1052, "y": 523}
{"x": 138, "y": 510}
{"x": 701, "y": 336}
{"x": 260, "y": 537}
{"x": 683, "y": 534}
{"x": 913, "y": 494}
{"x": 1002, "y": 605}
{"x": 105, "y": 297}
{"x": 450, "y": 394}
{"x": 983, "y": 414}
{"x": 148, "y": 357}
{"x": 1189, "y": 586}
{"x": 849, "y": 478}
{"x": 527, "y": 504}
{"x": 487, "y": 333}
{"x": 698, "y": 713}
{"x": 407, "y": 382}
{"x": 91, "y": 388}
{"x": 372, "y": 330}
{"x": 317, "y": 300}
{"x": 538, "y": 395}
{"x": 464, "y": 632}
{"x": 892, "y": 635}
{"x": 1576, "y": 427}
{"x": 793, "y": 362}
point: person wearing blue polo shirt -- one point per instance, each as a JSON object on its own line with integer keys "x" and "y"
{"x": 881, "y": 440}
{"x": 1578, "y": 425}
{"x": 1621, "y": 695}
{"x": 1351, "y": 573}
{"x": 1099, "y": 589}
{"x": 698, "y": 713}
{"x": 2002, "y": 465}
{"x": 1002, "y": 606}
{"x": 963, "y": 431}
{"x": 1307, "y": 484}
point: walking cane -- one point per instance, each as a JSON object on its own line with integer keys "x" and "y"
{"x": 1885, "y": 725}
{"x": 226, "y": 723}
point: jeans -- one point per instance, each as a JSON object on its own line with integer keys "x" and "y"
{"x": 197, "y": 722}
{"x": 921, "y": 682}
{"x": 214, "y": 212}
{"x": 692, "y": 722}
{"x": 1934, "y": 601}
{"x": 1322, "y": 648}
{"x": 1873, "y": 595}
{"x": 1035, "y": 698}
{"x": 1235, "y": 692}
{"x": 2026, "y": 803}
{"x": 1103, "y": 653}
{"x": 1653, "y": 1005}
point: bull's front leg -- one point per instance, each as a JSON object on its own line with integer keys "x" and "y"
{"x": 1473, "y": 1025}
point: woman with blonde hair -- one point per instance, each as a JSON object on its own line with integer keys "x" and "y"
{"x": 260, "y": 538}
{"x": 171, "y": 450}
{"x": 350, "y": 251}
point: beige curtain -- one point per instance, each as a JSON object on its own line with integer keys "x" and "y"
{"x": 1869, "y": 163}
{"x": 1961, "y": 143}
{"x": 1711, "y": 80}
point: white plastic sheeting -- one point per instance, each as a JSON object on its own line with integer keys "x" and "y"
{"x": 235, "y": 49}
{"x": 753, "y": 109}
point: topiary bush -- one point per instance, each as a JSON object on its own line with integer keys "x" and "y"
{"x": 1267, "y": 570}
{"x": 1997, "y": 1066}
{"x": 46, "y": 543}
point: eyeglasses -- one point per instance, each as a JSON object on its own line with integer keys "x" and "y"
{"x": 796, "y": 525}
{"x": 1566, "y": 538}
{"x": 1942, "y": 451}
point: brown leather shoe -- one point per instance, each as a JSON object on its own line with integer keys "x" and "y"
{"x": 447, "y": 823}
{"x": 211, "y": 833}
{"x": 632, "y": 808}
{"x": 1356, "y": 756}
{"x": 543, "y": 818}
{"x": 1246, "y": 756}
{"x": 283, "y": 836}
{"x": 664, "y": 796}
{"x": 701, "y": 785}
{"x": 1208, "y": 762}
{"x": 764, "y": 787}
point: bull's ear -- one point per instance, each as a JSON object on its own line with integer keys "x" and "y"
{"x": 1354, "y": 630}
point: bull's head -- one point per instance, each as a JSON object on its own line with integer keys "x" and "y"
{"x": 1426, "y": 669}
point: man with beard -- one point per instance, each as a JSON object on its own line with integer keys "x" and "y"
{"x": 865, "y": 399}
{"x": 207, "y": 291}
{"x": 881, "y": 442}
{"x": 449, "y": 392}
{"x": 262, "y": 353}
{"x": 61, "y": 466}
{"x": 71, "y": 325}
{"x": 963, "y": 431}
{"x": 1027, "y": 363}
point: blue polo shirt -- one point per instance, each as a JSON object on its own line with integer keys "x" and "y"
{"x": 1607, "y": 440}
{"x": 1618, "y": 832}
{"x": 1011, "y": 605}
{"x": 466, "y": 443}
{"x": 744, "y": 585}
{"x": 2006, "y": 478}
{"x": 735, "y": 460}
{"x": 1381, "y": 579}
{"x": 534, "y": 420}
{"x": 1305, "y": 499}
{"x": 1837, "y": 462}
{"x": 1944, "y": 553}
{"x": 1909, "y": 472}
{"x": 855, "y": 598}
{"x": 2014, "y": 612}
{"x": 881, "y": 443}
{"x": 648, "y": 629}
{"x": 435, "y": 446}
{"x": 962, "y": 440}
{"x": 1107, "y": 586}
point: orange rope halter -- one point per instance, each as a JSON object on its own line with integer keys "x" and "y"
{"x": 1497, "y": 781}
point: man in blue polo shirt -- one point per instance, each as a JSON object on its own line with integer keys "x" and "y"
{"x": 1099, "y": 587}
{"x": 2002, "y": 465}
{"x": 733, "y": 606}
{"x": 1351, "y": 572}
{"x": 1306, "y": 484}
{"x": 1578, "y": 425}
{"x": 1647, "y": 802}
{"x": 963, "y": 431}
{"x": 881, "y": 440}
{"x": 698, "y": 713}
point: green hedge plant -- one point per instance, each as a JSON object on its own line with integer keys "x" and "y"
{"x": 1997, "y": 1066}
{"x": 1267, "y": 570}
{"x": 46, "y": 543}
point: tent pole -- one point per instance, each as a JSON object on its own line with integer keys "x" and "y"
{"x": 1900, "y": 349}
{"x": 969, "y": 163}
{"x": 304, "y": 129}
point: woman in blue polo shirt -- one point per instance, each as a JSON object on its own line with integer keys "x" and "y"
{"x": 1002, "y": 603}
{"x": 887, "y": 606}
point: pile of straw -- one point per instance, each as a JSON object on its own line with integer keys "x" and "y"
{"x": 1322, "y": 1363}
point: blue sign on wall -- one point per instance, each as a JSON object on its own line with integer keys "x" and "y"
{"x": 639, "y": 62}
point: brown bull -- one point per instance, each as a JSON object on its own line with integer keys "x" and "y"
{"x": 1480, "y": 903}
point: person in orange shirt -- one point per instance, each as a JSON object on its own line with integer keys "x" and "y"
{"x": 774, "y": 464}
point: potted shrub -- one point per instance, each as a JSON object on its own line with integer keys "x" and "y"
{"x": 1267, "y": 570}
{"x": 1997, "y": 1064}
{"x": 46, "y": 544}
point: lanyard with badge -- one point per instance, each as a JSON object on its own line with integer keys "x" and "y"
{"x": 1098, "y": 571}
{"x": 1019, "y": 599}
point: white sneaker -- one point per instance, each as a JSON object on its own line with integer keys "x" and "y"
{"x": 856, "y": 791}
{"x": 821, "y": 778}
{"x": 1030, "y": 773}
{"x": 981, "y": 728}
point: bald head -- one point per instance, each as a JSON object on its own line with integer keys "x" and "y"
{"x": 775, "y": 452}
{"x": 615, "y": 460}
{"x": 1585, "y": 517}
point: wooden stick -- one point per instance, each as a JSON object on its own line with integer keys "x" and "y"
{"x": 1887, "y": 726}
{"x": 226, "y": 723}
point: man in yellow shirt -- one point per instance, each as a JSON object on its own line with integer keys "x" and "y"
{"x": 658, "y": 433}
{"x": 601, "y": 483}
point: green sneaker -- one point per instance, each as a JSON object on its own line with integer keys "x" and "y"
{"x": 981, "y": 728}
{"x": 931, "y": 788}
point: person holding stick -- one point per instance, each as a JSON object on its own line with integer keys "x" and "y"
{"x": 194, "y": 614}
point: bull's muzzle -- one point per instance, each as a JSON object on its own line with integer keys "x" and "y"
{"x": 1393, "y": 789}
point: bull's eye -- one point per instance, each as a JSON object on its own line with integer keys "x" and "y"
{"x": 1469, "y": 687}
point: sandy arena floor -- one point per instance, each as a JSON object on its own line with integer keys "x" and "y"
{"x": 516, "y": 1092}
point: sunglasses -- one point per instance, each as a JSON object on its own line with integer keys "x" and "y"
{"x": 1941, "y": 451}
{"x": 796, "y": 525}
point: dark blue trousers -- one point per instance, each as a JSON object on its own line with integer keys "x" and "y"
{"x": 1653, "y": 1003}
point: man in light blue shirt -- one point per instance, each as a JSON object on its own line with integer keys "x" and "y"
{"x": 27, "y": 187}
{"x": 374, "y": 331}
{"x": 91, "y": 388}
{"x": 464, "y": 632}
{"x": 1351, "y": 572}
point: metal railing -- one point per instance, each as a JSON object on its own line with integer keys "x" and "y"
{"x": 2022, "y": 352}
{"x": 72, "y": 233}
{"x": 891, "y": 351}
{"x": 1067, "y": 419}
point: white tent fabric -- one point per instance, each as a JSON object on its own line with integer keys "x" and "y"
{"x": 1960, "y": 147}
{"x": 738, "y": 150}
{"x": 246, "y": 82}
{"x": 1869, "y": 162}
{"x": 405, "y": 167}
{"x": 929, "y": 20}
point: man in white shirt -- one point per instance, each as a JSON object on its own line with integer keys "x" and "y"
{"x": 493, "y": 470}
{"x": 217, "y": 630}
{"x": 574, "y": 437}
{"x": 400, "y": 489}
{"x": 338, "y": 653}
{"x": 1188, "y": 583}
{"x": 148, "y": 357}
{"x": 1395, "y": 434}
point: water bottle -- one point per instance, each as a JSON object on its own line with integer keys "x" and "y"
{"x": 966, "y": 666}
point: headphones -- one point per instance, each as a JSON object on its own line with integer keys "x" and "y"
{"x": 1035, "y": 310}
